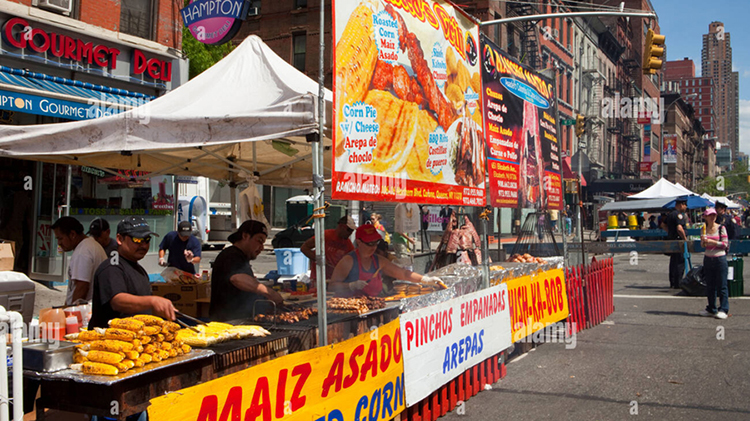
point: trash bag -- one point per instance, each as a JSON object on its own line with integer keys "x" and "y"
{"x": 693, "y": 283}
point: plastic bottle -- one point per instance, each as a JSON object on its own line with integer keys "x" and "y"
{"x": 52, "y": 321}
{"x": 71, "y": 324}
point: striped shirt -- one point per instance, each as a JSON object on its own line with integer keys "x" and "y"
{"x": 719, "y": 249}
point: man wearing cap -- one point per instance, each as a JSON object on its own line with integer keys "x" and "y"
{"x": 337, "y": 245}
{"x": 121, "y": 286}
{"x": 184, "y": 249}
{"x": 675, "y": 223}
{"x": 99, "y": 231}
{"x": 359, "y": 272}
{"x": 86, "y": 257}
{"x": 234, "y": 287}
{"x": 722, "y": 218}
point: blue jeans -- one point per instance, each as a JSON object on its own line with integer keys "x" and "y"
{"x": 568, "y": 222}
{"x": 715, "y": 274}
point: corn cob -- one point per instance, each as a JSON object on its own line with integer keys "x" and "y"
{"x": 170, "y": 327}
{"x": 102, "y": 356}
{"x": 178, "y": 349}
{"x": 149, "y": 320}
{"x": 173, "y": 352}
{"x": 166, "y": 346}
{"x": 117, "y": 334}
{"x": 356, "y": 56}
{"x": 129, "y": 363}
{"x": 163, "y": 354}
{"x": 84, "y": 335}
{"x": 146, "y": 358}
{"x": 185, "y": 348}
{"x": 139, "y": 362}
{"x": 151, "y": 330}
{"x": 132, "y": 355}
{"x": 136, "y": 343}
{"x": 144, "y": 339}
{"x": 130, "y": 324}
{"x": 168, "y": 336}
{"x": 156, "y": 357}
{"x": 79, "y": 358}
{"x": 149, "y": 349}
{"x": 122, "y": 367}
{"x": 96, "y": 369}
{"x": 111, "y": 346}
{"x": 139, "y": 349}
{"x": 159, "y": 338}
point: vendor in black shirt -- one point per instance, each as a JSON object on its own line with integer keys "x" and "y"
{"x": 234, "y": 287}
{"x": 675, "y": 224}
{"x": 121, "y": 286}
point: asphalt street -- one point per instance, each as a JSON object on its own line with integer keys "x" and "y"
{"x": 654, "y": 358}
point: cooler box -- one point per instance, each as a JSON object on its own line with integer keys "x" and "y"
{"x": 735, "y": 280}
{"x": 291, "y": 261}
{"x": 17, "y": 293}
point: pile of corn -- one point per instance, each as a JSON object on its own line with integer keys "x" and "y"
{"x": 127, "y": 343}
{"x": 215, "y": 332}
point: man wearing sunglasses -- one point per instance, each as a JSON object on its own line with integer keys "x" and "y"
{"x": 234, "y": 287}
{"x": 337, "y": 244}
{"x": 121, "y": 286}
{"x": 360, "y": 272}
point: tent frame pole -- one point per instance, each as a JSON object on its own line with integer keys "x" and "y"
{"x": 319, "y": 188}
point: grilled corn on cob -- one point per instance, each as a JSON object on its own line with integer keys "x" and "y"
{"x": 168, "y": 336}
{"x": 146, "y": 358}
{"x": 173, "y": 352}
{"x": 171, "y": 327}
{"x": 96, "y": 369}
{"x": 118, "y": 334}
{"x": 151, "y": 330}
{"x": 111, "y": 345}
{"x": 159, "y": 338}
{"x": 166, "y": 346}
{"x": 156, "y": 357}
{"x": 130, "y": 324}
{"x": 185, "y": 348}
{"x": 78, "y": 358}
{"x": 149, "y": 349}
{"x": 149, "y": 320}
{"x": 139, "y": 362}
{"x": 132, "y": 355}
{"x": 144, "y": 339}
{"x": 102, "y": 356}
{"x": 163, "y": 354}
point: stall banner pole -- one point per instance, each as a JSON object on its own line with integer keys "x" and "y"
{"x": 560, "y": 219}
{"x": 175, "y": 202}
{"x": 319, "y": 188}
{"x": 484, "y": 217}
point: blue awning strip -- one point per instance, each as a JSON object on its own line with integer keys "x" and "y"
{"x": 44, "y": 82}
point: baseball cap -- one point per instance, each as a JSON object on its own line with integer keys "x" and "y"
{"x": 681, "y": 199}
{"x": 184, "y": 227}
{"x": 349, "y": 222}
{"x": 251, "y": 227}
{"x": 709, "y": 211}
{"x": 721, "y": 204}
{"x": 135, "y": 226}
{"x": 368, "y": 233}
{"x": 97, "y": 227}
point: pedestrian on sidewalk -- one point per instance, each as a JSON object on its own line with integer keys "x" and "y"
{"x": 715, "y": 269}
{"x": 554, "y": 215}
{"x": 675, "y": 223}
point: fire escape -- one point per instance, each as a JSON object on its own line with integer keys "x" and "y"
{"x": 528, "y": 30}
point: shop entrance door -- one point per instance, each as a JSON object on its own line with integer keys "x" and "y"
{"x": 50, "y": 184}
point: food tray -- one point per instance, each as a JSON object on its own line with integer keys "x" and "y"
{"x": 48, "y": 357}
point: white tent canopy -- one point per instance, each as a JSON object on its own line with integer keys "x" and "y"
{"x": 248, "y": 112}
{"x": 730, "y": 204}
{"x": 661, "y": 190}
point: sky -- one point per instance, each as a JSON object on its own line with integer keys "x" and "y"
{"x": 683, "y": 23}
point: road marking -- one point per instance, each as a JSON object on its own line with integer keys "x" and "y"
{"x": 671, "y": 296}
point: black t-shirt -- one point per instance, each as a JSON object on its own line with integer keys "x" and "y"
{"x": 227, "y": 301}
{"x": 176, "y": 247}
{"x": 674, "y": 219}
{"x": 109, "y": 280}
{"x": 729, "y": 224}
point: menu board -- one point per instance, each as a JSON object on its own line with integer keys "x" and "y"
{"x": 407, "y": 111}
{"x": 523, "y": 152}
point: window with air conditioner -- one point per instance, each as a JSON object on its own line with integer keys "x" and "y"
{"x": 137, "y": 18}
{"x": 64, "y": 7}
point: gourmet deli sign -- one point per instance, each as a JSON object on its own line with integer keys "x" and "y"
{"x": 21, "y": 35}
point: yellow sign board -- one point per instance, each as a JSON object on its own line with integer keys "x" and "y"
{"x": 536, "y": 302}
{"x": 361, "y": 378}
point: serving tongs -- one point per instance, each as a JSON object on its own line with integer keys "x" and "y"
{"x": 187, "y": 326}
{"x": 191, "y": 318}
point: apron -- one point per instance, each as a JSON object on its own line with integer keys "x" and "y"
{"x": 374, "y": 283}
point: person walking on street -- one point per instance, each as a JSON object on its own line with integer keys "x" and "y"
{"x": 184, "y": 249}
{"x": 715, "y": 269}
{"x": 87, "y": 256}
{"x": 723, "y": 218}
{"x": 554, "y": 215}
{"x": 675, "y": 223}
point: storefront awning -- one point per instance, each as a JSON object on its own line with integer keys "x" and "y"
{"x": 568, "y": 174}
{"x": 42, "y": 94}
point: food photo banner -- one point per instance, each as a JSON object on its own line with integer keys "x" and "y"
{"x": 536, "y": 302}
{"x": 361, "y": 378}
{"x": 442, "y": 341}
{"x": 523, "y": 152}
{"x": 407, "y": 110}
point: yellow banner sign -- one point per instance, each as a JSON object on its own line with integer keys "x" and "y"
{"x": 536, "y": 302}
{"x": 361, "y": 378}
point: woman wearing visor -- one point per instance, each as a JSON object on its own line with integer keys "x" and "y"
{"x": 360, "y": 272}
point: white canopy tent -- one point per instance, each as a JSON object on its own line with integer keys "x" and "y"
{"x": 661, "y": 190}
{"x": 730, "y": 204}
{"x": 249, "y": 112}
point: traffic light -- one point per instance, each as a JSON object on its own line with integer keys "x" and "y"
{"x": 580, "y": 125}
{"x": 653, "y": 52}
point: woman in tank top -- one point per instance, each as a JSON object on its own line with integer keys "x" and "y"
{"x": 715, "y": 269}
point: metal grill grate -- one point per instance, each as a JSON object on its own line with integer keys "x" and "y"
{"x": 536, "y": 237}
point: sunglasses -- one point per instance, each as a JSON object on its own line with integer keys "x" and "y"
{"x": 370, "y": 243}
{"x": 138, "y": 240}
